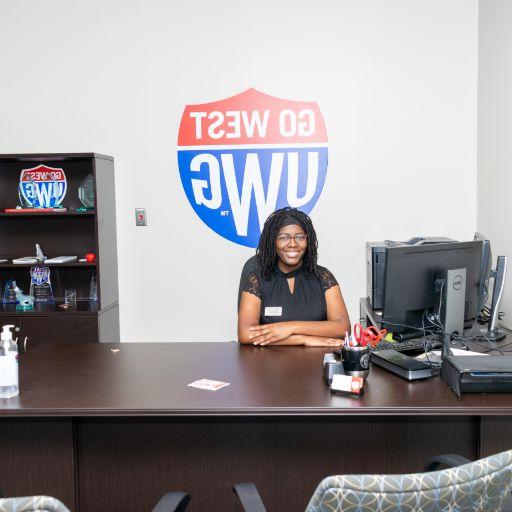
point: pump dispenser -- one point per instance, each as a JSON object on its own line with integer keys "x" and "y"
{"x": 8, "y": 364}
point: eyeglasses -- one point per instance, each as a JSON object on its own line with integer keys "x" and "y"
{"x": 285, "y": 239}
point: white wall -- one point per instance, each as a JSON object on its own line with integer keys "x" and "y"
{"x": 494, "y": 132}
{"x": 396, "y": 82}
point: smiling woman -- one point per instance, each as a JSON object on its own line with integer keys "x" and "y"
{"x": 288, "y": 299}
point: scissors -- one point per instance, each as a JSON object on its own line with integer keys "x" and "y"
{"x": 371, "y": 335}
{"x": 360, "y": 335}
{"x": 374, "y": 336}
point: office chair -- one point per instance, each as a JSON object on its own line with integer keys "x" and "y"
{"x": 170, "y": 502}
{"x": 32, "y": 504}
{"x": 481, "y": 486}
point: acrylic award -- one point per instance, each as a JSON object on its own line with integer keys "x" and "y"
{"x": 40, "y": 285}
{"x": 86, "y": 192}
{"x": 42, "y": 187}
{"x": 10, "y": 292}
{"x": 93, "y": 289}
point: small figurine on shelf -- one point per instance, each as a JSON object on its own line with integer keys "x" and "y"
{"x": 25, "y": 302}
{"x": 39, "y": 254}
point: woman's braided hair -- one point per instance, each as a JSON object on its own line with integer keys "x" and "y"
{"x": 266, "y": 252}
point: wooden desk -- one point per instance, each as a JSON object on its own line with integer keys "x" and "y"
{"x": 110, "y": 431}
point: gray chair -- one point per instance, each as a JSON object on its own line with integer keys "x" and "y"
{"x": 32, "y": 504}
{"x": 170, "y": 502}
{"x": 481, "y": 486}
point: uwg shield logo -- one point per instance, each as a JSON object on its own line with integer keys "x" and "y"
{"x": 43, "y": 186}
{"x": 243, "y": 157}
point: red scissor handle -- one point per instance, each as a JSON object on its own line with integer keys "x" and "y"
{"x": 374, "y": 335}
{"x": 360, "y": 334}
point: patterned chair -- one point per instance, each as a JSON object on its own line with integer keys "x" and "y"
{"x": 481, "y": 486}
{"x": 170, "y": 502}
{"x": 32, "y": 503}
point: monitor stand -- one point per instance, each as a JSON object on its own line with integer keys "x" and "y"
{"x": 498, "y": 275}
{"x": 451, "y": 285}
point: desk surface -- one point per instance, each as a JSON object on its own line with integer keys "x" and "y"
{"x": 150, "y": 379}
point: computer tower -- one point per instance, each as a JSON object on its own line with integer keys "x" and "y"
{"x": 375, "y": 272}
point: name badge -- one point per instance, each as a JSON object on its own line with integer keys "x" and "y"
{"x": 274, "y": 311}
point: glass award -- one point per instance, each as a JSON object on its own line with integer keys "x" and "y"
{"x": 86, "y": 192}
{"x": 40, "y": 285}
{"x": 93, "y": 289}
{"x": 10, "y": 292}
{"x": 42, "y": 187}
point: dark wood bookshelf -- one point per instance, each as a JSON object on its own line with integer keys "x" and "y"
{"x": 69, "y": 232}
{"x": 74, "y": 264}
{"x": 35, "y": 213}
{"x": 82, "y": 307}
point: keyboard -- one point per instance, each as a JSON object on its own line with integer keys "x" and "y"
{"x": 409, "y": 345}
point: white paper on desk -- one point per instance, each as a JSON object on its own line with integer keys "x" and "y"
{"x": 435, "y": 355}
{"x": 210, "y": 385}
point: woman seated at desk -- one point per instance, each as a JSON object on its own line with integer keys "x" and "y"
{"x": 288, "y": 299}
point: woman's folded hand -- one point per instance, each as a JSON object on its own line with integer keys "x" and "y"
{"x": 270, "y": 333}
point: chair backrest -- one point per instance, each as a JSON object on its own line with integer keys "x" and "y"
{"x": 480, "y": 486}
{"x": 250, "y": 266}
{"x": 31, "y": 504}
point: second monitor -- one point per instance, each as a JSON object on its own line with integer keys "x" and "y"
{"x": 410, "y": 281}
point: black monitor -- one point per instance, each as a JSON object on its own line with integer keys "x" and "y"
{"x": 410, "y": 277}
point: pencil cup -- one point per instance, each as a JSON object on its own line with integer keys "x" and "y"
{"x": 356, "y": 361}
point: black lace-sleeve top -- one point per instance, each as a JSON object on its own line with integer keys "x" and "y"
{"x": 278, "y": 304}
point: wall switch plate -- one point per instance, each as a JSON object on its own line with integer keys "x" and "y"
{"x": 140, "y": 217}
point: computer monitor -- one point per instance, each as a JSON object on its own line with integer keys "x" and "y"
{"x": 410, "y": 281}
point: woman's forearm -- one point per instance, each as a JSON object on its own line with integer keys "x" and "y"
{"x": 308, "y": 341}
{"x": 326, "y": 328}
{"x": 294, "y": 339}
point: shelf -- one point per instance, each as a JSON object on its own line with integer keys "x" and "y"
{"x": 73, "y": 264}
{"x": 83, "y": 307}
{"x": 57, "y": 157}
{"x": 88, "y": 213}
{"x": 71, "y": 230}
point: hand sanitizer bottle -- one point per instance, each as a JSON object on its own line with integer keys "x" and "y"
{"x": 8, "y": 364}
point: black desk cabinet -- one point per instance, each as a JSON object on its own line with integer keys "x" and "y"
{"x": 72, "y": 232}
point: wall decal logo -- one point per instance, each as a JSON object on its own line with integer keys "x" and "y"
{"x": 243, "y": 157}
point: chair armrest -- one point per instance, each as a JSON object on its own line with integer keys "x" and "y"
{"x": 172, "y": 502}
{"x": 451, "y": 460}
{"x": 249, "y": 497}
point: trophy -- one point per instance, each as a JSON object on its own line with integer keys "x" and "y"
{"x": 42, "y": 187}
{"x": 11, "y": 289}
{"x": 40, "y": 285}
{"x": 86, "y": 192}
{"x": 93, "y": 289}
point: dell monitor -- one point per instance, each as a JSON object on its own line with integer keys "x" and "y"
{"x": 412, "y": 282}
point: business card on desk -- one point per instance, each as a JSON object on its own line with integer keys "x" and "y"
{"x": 210, "y": 385}
{"x": 347, "y": 384}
